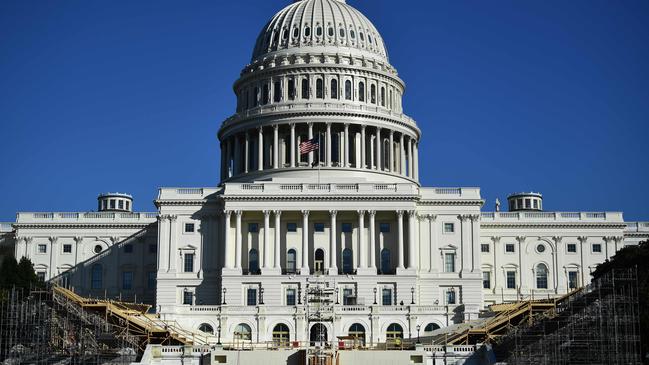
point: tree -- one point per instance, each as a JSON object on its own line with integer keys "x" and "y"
{"x": 8, "y": 272}
{"x": 20, "y": 275}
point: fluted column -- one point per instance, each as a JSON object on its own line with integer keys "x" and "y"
{"x": 173, "y": 239}
{"x": 379, "y": 165}
{"x": 391, "y": 152}
{"x": 293, "y": 148}
{"x": 237, "y": 156}
{"x": 560, "y": 279}
{"x": 328, "y": 144}
{"x": 310, "y": 138}
{"x": 247, "y": 153}
{"x": 260, "y": 151}
{"x": 372, "y": 228}
{"x": 402, "y": 152}
{"x": 522, "y": 264}
{"x": 412, "y": 263}
{"x": 400, "y": 238}
{"x": 227, "y": 242}
{"x": 582, "y": 248}
{"x": 278, "y": 241}
{"x": 416, "y": 160}
{"x": 434, "y": 244}
{"x": 276, "y": 146}
{"x": 305, "y": 243}
{"x": 228, "y": 157}
{"x": 362, "y": 244}
{"x": 346, "y": 144}
{"x": 362, "y": 164}
{"x": 410, "y": 174}
{"x": 163, "y": 247}
{"x": 333, "y": 250}
{"x": 266, "y": 263}
{"x": 239, "y": 240}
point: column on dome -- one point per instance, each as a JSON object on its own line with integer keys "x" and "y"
{"x": 293, "y": 147}
{"x": 333, "y": 250}
{"x": 228, "y": 156}
{"x": 372, "y": 228}
{"x": 391, "y": 152}
{"x": 410, "y": 164}
{"x": 246, "y": 152}
{"x": 328, "y": 145}
{"x": 379, "y": 165}
{"x": 310, "y": 138}
{"x": 227, "y": 242}
{"x": 305, "y": 243}
{"x": 278, "y": 250}
{"x": 402, "y": 153}
{"x": 266, "y": 244}
{"x": 363, "y": 161}
{"x": 239, "y": 240}
{"x": 260, "y": 149}
{"x": 237, "y": 156}
{"x": 346, "y": 144}
{"x": 416, "y": 160}
{"x": 412, "y": 262}
{"x": 362, "y": 243}
{"x": 400, "y": 238}
{"x": 276, "y": 146}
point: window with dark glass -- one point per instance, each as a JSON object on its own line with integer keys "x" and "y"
{"x": 342, "y": 33}
{"x": 361, "y": 35}
{"x": 384, "y": 227}
{"x": 348, "y": 296}
{"x": 509, "y": 247}
{"x": 41, "y": 275}
{"x": 541, "y": 276}
{"x": 486, "y": 280}
{"x": 597, "y": 248}
{"x": 352, "y": 34}
{"x": 334, "y": 89}
{"x": 251, "y": 296}
{"x": 484, "y": 247}
{"x": 348, "y": 90}
{"x": 361, "y": 91}
{"x": 449, "y": 227}
{"x": 112, "y": 204}
{"x": 189, "y": 227}
{"x": 382, "y": 96}
{"x": 373, "y": 94}
{"x": 290, "y": 296}
{"x": 291, "y": 261}
{"x": 42, "y": 248}
{"x": 127, "y": 280}
{"x": 265, "y": 94}
{"x": 572, "y": 279}
{"x": 188, "y": 298}
{"x": 346, "y": 227}
{"x": 150, "y": 279}
{"x": 450, "y": 296}
{"x": 319, "y": 227}
{"x": 511, "y": 279}
{"x": 67, "y": 248}
{"x": 449, "y": 262}
{"x": 120, "y": 204}
{"x": 331, "y": 31}
{"x": 319, "y": 89}
{"x": 296, "y": 32}
{"x": 385, "y": 261}
{"x": 305, "y": 88}
{"x": 189, "y": 262}
{"x": 291, "y": 227}
{"x": 307, "y": 31}
{"x": 128, "y": 248}
{"x": 318, "y": 31}
{"x": 253, "y": 261}
{"x": 291, "y": 89}
{"x": 386, "y": 296}
{"x": 253, "y": 227}
{"x": 572, "y": 247}
{"x": 277, "y": 91}
{"x": 347, "y": 261}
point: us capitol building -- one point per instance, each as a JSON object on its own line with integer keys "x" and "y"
{"x": 340, "y": 241}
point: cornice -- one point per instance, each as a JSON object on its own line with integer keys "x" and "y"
{"x": 84, "y": 225}
{"x": 460, "y": 202}
{"x": 320, "y": 198}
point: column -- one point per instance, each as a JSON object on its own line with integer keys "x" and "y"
{"x": 293, "y": 145}
{"x": 465, "y": 238}
{"x": 522, "y": 265}
{"x": 475, "y": 242}
{"x": 260, "y": 147}
{"x": 582, "y": 244}
{"x": 371, "y": 154}
{"x": 333, "y": 250}
{"x": 20, "y": 248}
{"x": 237, "y": 156}
{"x": 78, "y": 244}
{"x": 328, "y": 145}
{"x": 391, "y": 152}
{"x": 173, "y": 238}
{"x": 228, "y": 156}
{"x": 416, "y": 160}
{"x": 362, "y": 245}
{"x": 239, "y": 240}
{"x": 434, "y": 243}
{"x": 278, "y": 242}
{"x": 276, "y": 146}
{"x": 560, "y": 279}
{"x": 346, "y": 144}
{"x": 305, "y": 243}
{"x": 412, "y": 263}
{"x": 379, "y": 166}
{"x": 362, "y": 164}
{"x": 402, "y": 152}
{"x": 372, "y": 228}
{"x": 266, "y": 263}
{"x": 310, "y": 138}
{"x": 163, "y": 249}
{"x": 227, "y": 261}
{"x": 494, "y": 275}
{"x": 410, "y": 174}
{"x": 54, "y": 255}
{"x": 400, "y": 238}
{"x": 247, "y": 153}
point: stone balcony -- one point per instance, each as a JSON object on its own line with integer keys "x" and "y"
{"x": 314, "y": 189}
{"x": 85, "y": 217}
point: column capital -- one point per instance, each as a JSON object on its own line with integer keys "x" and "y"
{"x": 78, "y": 239}
{"x": 328, "y": 124}
{"x": 115, "y": 239}
{"x": 371, "y": 213}
{"x": 495, "y": 239}
{"x": 361, "y": 213}
{"x": 399, "y": 213}
{"x": 411, "y": 213}
{"x": 305, "y": 213}
{"x": 278, "y": 213}
{"x": 28, "y": 239}
{"x": 53, "y": 239}
{"x": 260, "y": 129}
{"x": 557, "y": 239}
{"x": 617, "y": 238}
{"x": 227, "y": 212}
{"x": 275, "y": 126}
{"x": 333, "y": 213}
{"x": 172, "y": 218}
{"x": 520, "y": 239}
{"x": 239, "y": 213}
{"x": 582, "y": 239}
{"x": 363, "y": 127}
{"x": 463, "y": 217}
{"x": 292, "y": 124}
{"x": 266, "y": 213}
{"x": 474, "y": 217}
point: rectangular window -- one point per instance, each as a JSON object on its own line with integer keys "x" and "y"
{"x": 42, "y": 248}
{"x": 450, "y": 296}
{"x": 290, "y": 296}
{"x": 597, "y": 248}
{"x": 572, "y": 247}
{"x": 384, "y": 227}
{"x": 251, "y": 298}
{"x": 67, "y": 248}
{"x": 41, "y": 275}
{"x": 536, "y": 204}
{"x": 319, "y": 227}
{"x": 291, "y": 227}
{"x": 188, "y": 298}
{"x": 528, "y": 204}
{"x": 348, "y": 296}
{"x": 449, "y": 262}
{"x": 511, "y": 279}
{"x": 449, "y": 227}
{"x": 189, "y": 262}
{"x": 151, "y": 279}
{"x": 189, "y": 227}
{"x": 128, "y": 248}
{"x": 127, "y": 280}
{"x": 509, "y": 247}
{"x": 291, "y": 89}
{"x": 484, "y": 247}
{"x": 386, "y": 296}
{"x": 112, "y": 204}
{"x": 486, "y": 280}
{"x": 120, "y": 204}
{"x": 253, "y": 227}
{"x": 153, "y": 248}
{"x": 346, "y": 227}
{"x": 572, "y": 279}
{"x": 128, "y": 205}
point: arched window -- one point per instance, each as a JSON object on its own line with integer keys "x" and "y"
{"x": 361, "y": 91}
{"x": 348, "y": 90}
{"x": 331, "y": 31}
{"x": 541, "y": 276}
{"x": 342, "y": 33}
{"x": 382, "y": 96}
{"x": 430, "y": 328}
{"x": 319, "y": 89}
{"x": 390, "y": 100}
{"x": 291, "y": 261}
{"x": 373, "y": 94}
{"x": 394, "y": 331}
{"x": 96, "y": 276}
{"x": 357, "y": 331}
{"x": 242, "y": 332}
{"x": 334, "y": 89}
{"x": 277, "y": 91}
{"x": 385, "y": 261}
{"x": 207, "y": 328}
{"x": 319, "y": 261}
{"x": 347, "y": 261}
{"x": 318, "y": 31}
{"x": 281, "y": 335}
{"x": 305, "y": 88}
{"x": 253, "y": 261}
{"x": 307, "y": 31}
{"x": 296, "y": 32}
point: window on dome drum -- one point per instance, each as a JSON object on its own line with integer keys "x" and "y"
{"x": 112, "y": 204}
{"x": 572, "y": 247}
{"x": 528, "y": 204}
{"x": 382, "y": 96}
{"x": 253, "y": 227}
{"x": 352, "y": 34}
{"x": 330, "y": 32}
{"x": 188, "y": 298}
{"x": 342, "y": 33}
{"x": 96, "y": 277}
{"x": 348, "y": 90}
{"x": 484, "y": 247}
{"x": 67, "y": 248}
{"x": 305, "y": 88}
{"x": 486, "y": 280}
{"x": 373, "y": 94}
{"x": 597, "y": 248}
{"x": 150, "y": 279}
{"x": 189, "y": 262}
{"x": 281, "y": 335}
{"x": 346, "y": 227}
{"x": 265, "y": 96}
{"x": 128, "y": 248}
{"x": 536, "y": 204}
{"x": 348, "y": 296}
{"x": 449, "y": 262}
{"x": 369, "y": 38}
{"x": 251, "y": 297}
{"x": 291, "y": 227}
{"x": 277, "y": 91}
{"x": 511, "y": 279}
{"x": 509, "y": 247}
{"x": 276, "y": 39}
{"x": 153, "y": 248}
{"x": 386, "y": 296}
{"x": 206, "y": 328}
{"x": 319, "y": 89}
{"x": 334, "y": 89}
{"x": 285, "y": 34}
{"x": 390, "y": 100}
{"x": 253, "y": 261}
{"x": 290, "y": 296}
{"x": 384, "y": 227}
{"x": 243, "y": 332}
{"x": 255, "y": 97}
{"x": 318, "y": 31}
{"x": 357, "y": 331}
{"x": 385, "y": 261}
{"x": 572, "y": 279}
{"x": 450, "y": 296}
{"x": 291, "y": 261}
{"x": 347, "y": 261}
{"x": 541, "y": 276}
{"x": 127, "y": 280}
{"x": 307, "y": 31}
{"x": 296, "y": 32}
{"x": 362, "y": 36}
{"x": 449, "y": 227}
{"x": 291, "y": 89}
{"x": 120, "y": 204}
{"x": 394, "y": 331}
{"x": 361, "y": 91}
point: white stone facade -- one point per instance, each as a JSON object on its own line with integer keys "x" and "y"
{"x": 390, "y": 257}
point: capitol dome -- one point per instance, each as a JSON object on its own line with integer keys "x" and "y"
{"x": 312, "y": 24}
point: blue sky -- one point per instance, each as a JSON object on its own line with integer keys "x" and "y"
{"x": 550, "y": 96}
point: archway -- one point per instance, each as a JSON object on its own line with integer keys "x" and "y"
{"x": 319, "y": 262}
{"x": 318, "y": 334}
{"x": 357, "y": 332}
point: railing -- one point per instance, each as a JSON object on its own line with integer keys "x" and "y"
{"x": 190, "y": 191}
{"x": 313, "y": 188}
{"x": 27, "y": 217}
{"x": 6, "y": 227}
{"x": 448, "y": 191}
{"x": 613, "y": 217}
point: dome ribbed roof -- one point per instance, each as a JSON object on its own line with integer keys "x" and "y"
{"x": 320, "y": 24}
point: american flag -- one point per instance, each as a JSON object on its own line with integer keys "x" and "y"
{"x": 309, "y": 146}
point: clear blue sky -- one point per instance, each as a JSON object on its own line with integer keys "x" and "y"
{"x": 550, "y": 96}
